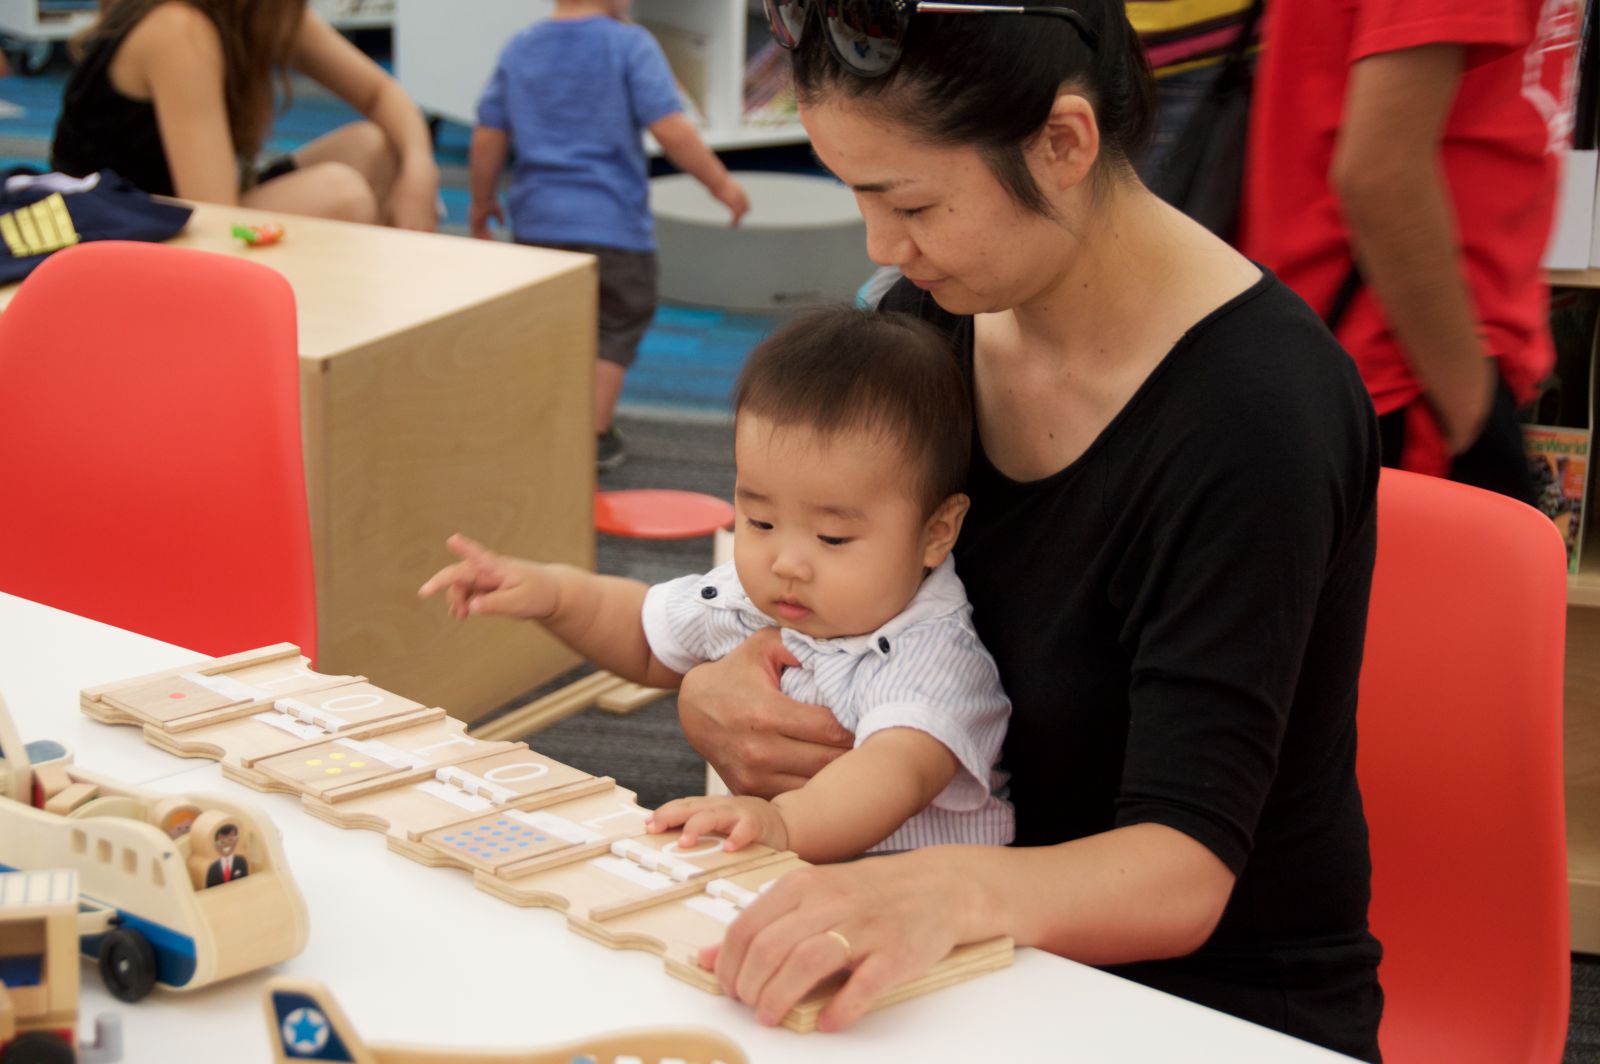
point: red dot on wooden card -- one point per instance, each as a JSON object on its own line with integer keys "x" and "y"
{"x": 176, "y": 694}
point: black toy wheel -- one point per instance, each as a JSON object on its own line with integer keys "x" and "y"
{"x": 127, "y": 964}
{"x": 36, "y": 1047}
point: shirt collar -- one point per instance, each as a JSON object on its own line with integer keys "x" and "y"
{"x": 940, "y": 594}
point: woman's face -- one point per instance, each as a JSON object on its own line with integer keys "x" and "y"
{"x": 937, "y": 213}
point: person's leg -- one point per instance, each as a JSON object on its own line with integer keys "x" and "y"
{"x": 627, "y": 306}
{"x": 345, "y": 174}
{"x": 360, "y": 146}
{"x": 323, "y": 190}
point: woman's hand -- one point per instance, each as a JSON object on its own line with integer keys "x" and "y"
{"x": 483, "y": 582}
{"x": 740, "y": 821}
{"x": 759, "y": 740}
{"x": 888, "y": 919}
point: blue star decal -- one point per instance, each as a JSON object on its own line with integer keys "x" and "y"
{"x": 305, "y": 1031}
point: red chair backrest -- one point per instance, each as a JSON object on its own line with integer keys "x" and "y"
{"x": 1460, "y": 769}
{"x": 150, "y": 460}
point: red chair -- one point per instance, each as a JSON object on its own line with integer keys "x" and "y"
{"x": 1460, "y": 770}
{"x": 150, "y": 460}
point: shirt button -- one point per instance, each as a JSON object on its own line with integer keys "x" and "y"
{"x": 708, "y": 592}
{"x": 883, "y": 644}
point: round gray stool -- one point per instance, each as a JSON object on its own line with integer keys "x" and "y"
{"x": 802, "y": 242}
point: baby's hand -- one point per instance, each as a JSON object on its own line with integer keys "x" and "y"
{"x": 487, "y": 583}
{"x": 740, "y": 821}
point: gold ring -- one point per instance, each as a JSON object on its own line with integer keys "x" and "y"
{"x": 838, "y": 937}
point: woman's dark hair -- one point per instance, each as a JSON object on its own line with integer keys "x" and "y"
{"x": 258, "y": 39}
{"x": 839, "y": 369}
{"x": 990, "y": 81}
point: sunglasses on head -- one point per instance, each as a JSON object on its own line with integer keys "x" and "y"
{"x": 867, "y": 35}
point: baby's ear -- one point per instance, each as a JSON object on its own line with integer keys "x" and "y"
{"x": 942, "y": 528}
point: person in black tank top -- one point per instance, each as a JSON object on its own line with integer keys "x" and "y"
{"x": 1169, "y": 549}
{"x": 177, "y": 96}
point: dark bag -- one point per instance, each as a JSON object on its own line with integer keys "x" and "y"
{"x": 1203, "y": 176}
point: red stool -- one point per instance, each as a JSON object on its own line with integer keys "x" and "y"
{"x": 644, "y": 513}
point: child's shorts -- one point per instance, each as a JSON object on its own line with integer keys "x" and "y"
{"x": 627, "y": 298}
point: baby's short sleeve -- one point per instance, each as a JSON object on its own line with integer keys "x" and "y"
{"x": 937, "y": 678}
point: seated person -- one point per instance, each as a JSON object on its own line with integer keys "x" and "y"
{"x": 852, "y": 436}
{"x": 177, "y": 97}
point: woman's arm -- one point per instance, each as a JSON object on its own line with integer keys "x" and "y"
{"x": 325, "y": 56}
{"x": 1135, "y": 893}
{"x": 174, "y": 57}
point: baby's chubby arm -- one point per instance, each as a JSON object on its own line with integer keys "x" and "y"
{"x": 851, "y": 805}
{"x": 597, "y": 616}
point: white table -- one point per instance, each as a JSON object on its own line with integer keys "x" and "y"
{"x": 417, "y": 955}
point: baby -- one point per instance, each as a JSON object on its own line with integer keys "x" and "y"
{"x": 851, "y": 442}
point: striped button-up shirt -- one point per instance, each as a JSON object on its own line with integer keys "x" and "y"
{"x": 923, "y": 669}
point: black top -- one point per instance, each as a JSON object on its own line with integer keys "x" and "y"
{"x": 1178, "y": 618}
{"x": 102, "y": 129}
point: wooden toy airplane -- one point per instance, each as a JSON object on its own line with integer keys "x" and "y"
{"x": 177, "y": 889}
{"x": 304, "y": 1022}
{"x": 529, "y": 830}
{"x": 39, "y": 974}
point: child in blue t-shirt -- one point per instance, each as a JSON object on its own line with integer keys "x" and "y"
{"x": 570, "y": 99}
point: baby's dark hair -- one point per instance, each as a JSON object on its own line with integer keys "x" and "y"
{"x": 989, "y": 81}
{"x": 839, "y": 369}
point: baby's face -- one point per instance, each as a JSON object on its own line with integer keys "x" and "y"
{"x": 828, "y": 539}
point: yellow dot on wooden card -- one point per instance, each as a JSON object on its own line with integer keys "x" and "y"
{"x": 336, "y": 756}
{"x": 332, "y": 771}
{"x": 358, "y": 764}
{"x": 314, "y": 762}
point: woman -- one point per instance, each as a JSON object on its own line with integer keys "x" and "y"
{"x": 1169, "y": 549}
{"x": 177, "y": 97}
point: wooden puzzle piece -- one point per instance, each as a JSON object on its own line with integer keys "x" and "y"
{"x": 209, "y": 691}
{"x": 242, "y": 735}
{"x": 640, "y": 871}
{"x": 406, "y": 804}
{"x": 533, "y": 831}
{"x": 512, "y": 843}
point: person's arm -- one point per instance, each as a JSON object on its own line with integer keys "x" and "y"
{"x": 853, "y": 804}
{"x": 175, "y": 55}
{"x": 1389, "y": 179}
{"x": 325, "y": 56}
{"x": 759, "y": 740}
{"x": 486, "y": 158}
{"x": 1135, "y": 893}
{"x": 597, "y": 616}
{"x": 683, "y": 147}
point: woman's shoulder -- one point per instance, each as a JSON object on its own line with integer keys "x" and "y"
{"x": 175, "y": 29}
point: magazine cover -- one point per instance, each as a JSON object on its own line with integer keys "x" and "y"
{"x": 1558, "y": 459}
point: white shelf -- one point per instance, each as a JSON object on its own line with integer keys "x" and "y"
{"x": 444, "y": 54}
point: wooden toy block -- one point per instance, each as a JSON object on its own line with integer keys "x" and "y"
{"x": 304, "y": 1022}
{"x": 39, "y": 931}
{"x": 70, "y": 797}
{"x": 630, "y": 697}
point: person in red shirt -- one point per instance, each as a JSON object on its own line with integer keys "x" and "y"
{"x": 1421, "y": 141}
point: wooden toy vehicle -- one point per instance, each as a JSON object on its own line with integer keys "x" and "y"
{"x": 144, "y": 865}
{"x": 304, "y": 1022}
{"x": 39, "y": 974}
